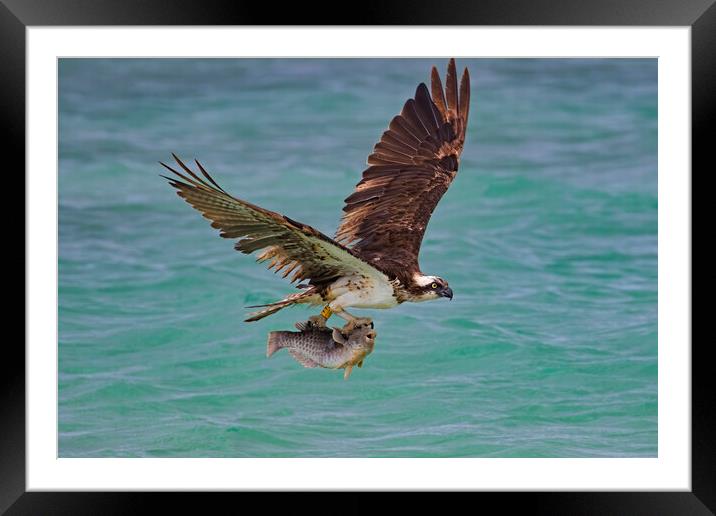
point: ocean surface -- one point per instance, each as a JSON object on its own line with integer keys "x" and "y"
{"x": 548, "y": 238}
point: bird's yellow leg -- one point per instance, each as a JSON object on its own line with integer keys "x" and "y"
{"x": 317, "y": 321}
{"x": 320, "y": 320}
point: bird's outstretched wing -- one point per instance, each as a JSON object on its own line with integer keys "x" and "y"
{"x": 409, "y": 171}
{"x": 290, "y": 245}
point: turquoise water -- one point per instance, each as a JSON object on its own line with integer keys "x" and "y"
{"x": 548, "y": 238}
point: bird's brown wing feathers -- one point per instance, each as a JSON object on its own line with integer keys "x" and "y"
{"x": 409, "y": 171}
{"x": 291, "y": 246}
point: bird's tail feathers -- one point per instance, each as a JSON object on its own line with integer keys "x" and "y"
{"x": 272, "y": 308}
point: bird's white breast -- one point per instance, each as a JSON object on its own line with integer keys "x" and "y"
{"x": 362, "y": 292}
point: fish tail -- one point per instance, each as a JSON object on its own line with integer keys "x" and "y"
{"x": 274, "y": 343}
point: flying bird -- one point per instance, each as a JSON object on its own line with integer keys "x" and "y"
{"x": 372, "y": 261}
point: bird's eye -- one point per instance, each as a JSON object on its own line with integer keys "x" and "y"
{"x": 434, "y": 285}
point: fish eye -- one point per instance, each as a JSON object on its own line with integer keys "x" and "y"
{"x": 434, "y": 285}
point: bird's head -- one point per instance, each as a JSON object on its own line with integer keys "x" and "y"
{"x": 432, "y": 287}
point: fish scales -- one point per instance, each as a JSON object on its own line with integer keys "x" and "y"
{"x": 319, "y": 346}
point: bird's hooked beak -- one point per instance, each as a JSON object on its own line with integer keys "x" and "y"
{"x": 446, "y": 292}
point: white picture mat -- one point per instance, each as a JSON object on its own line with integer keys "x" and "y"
{"x": 671, "y": 470}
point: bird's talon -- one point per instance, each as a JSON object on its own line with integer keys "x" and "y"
{"x": 358, "y": 322}
{"x": 364, "y": 321}
{"x": 317, "y": 321}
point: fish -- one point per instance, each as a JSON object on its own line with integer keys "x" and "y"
{"x": 319, "y": 346}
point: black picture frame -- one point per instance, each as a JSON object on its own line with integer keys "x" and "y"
{"x": 16, "y": 15}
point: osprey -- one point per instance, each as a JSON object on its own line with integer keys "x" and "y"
{"x": 372, "y": 262}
